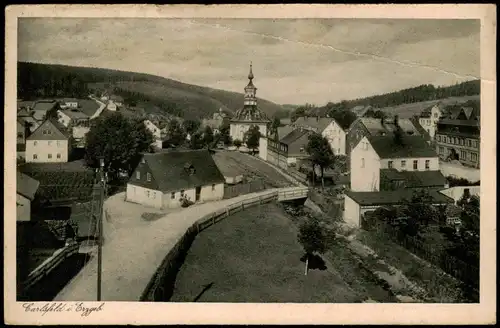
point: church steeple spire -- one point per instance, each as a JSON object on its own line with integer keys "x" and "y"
{"x": 250, "y": 90}
{"x": 250, "y": 75}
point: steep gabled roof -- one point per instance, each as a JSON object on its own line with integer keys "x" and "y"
{"x": 26, "y": 186}
{"x": 283, "y": 131}
{"x": 169, "y": 169}
{"x": 296, "y": 142}
{"x": 416, "y": 179}
{"x": 395, "y": 197}
{"x": 53, "y": 131}
{"x": 412, "y": 147}
{"x": 311, "y": 122}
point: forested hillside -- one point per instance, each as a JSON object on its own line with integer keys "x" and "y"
{"x": 173, "y": 97}
{"x": 405, "y": 103}
{"x": 420, "y": 93}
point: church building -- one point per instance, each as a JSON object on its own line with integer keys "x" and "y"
{"x": 249, "y": 115}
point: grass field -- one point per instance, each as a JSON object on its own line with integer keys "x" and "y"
{"x": 254, "y": 256}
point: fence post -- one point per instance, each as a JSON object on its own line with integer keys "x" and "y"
{"x": 260, "y": 200}
{"x": 242, "y": 205}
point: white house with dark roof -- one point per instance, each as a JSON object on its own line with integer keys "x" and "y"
{"x": 26, "y": 188}
{"x": 373, "y": 154}
{"x": 329, "y": 128}
{"x": 49, "y": 143}
{"x": 161, "y": 179}
{"x": 429, "y": 117}
{"x": 286, "y": 151}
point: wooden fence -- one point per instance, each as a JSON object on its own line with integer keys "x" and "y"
{"x": 243, "y": 188}
{"x": 450, "y": 264}
{"x": 51, "y": 263}
{"x": 162, "y": 284}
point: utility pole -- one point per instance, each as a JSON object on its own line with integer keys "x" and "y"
{"x": 101, "y": 235}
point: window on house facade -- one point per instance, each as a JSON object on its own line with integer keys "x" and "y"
{"x": 441, "y": 149}
{"x": 154, "y": 195}
{"x": 147, "y": 193}
{"x": 462, "y": 142}
{"x": 362, "y": 162}
{"x": 427, "y": 164}
{"x": 463, "y": 154}
{"x": 403, "y": 164}
{"x": 58, "y": 155}
{"x": 213, "y": 187}
{"x": 473, "y": 157}
{"x": 415, "y": 164}
{"x": 20, "y": 135}
{"x": 389, "y": 164}
{"x": 172, "y": 195}
{"x": 35, "y": 156}
{"x": 35, "y": 143}
{"x": 58, "y": 143}
{"x": 49, "y": 155}
{"x": 469, "y": 143}
{"x": 49, "y": 143}
{"x": 148, "y": 176}
{"x": 138, "y": 175}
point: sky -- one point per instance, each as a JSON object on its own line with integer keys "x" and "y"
{"x": 295, "y": 61}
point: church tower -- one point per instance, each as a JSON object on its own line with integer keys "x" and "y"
{"x": 250, "y": 90}
{"x": 249, "y": 115}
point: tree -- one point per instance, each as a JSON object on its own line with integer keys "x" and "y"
{"x": 237, "y": 143}
{"x": 252, "y": 138}
{"x": 320, "y": 153}
{"x": 275, "y": 124}
{"x": 196, "y": 141}
{"x": 343, "y": 116}
{"x": 175, "y": 134}
{"x": 119, "y": 140}
{"x": 224, "y": 133}
{"x": 398, "y": 132}
{"x": 312, "y": 238}
{"x": 52, "y": 113}
{"x": 191, "y": 126}
{"x": 419, "y": 212}
{"x": 208, "y": 136}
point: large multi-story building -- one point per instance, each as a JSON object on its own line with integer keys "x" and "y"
{"x": 376, "y": 161}
{"x": 49, "y": 143}
{"x": 459, "y": 140}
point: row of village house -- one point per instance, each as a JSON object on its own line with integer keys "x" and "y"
{"x": 382, "y": 172}
{"x": 41, "y": 140}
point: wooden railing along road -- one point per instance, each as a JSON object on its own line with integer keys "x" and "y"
{"x": 49, "y": 264}
{"x": 161, "y": 285}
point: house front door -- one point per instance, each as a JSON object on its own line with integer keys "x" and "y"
{"x": 198, "y": 192}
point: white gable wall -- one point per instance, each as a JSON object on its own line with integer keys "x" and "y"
{"x": 365, "y": 167}
{"x": 336, "y": 137}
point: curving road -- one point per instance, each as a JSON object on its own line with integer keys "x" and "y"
{"x": 134, "y": 248}
{"x": 99, "y": 111}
